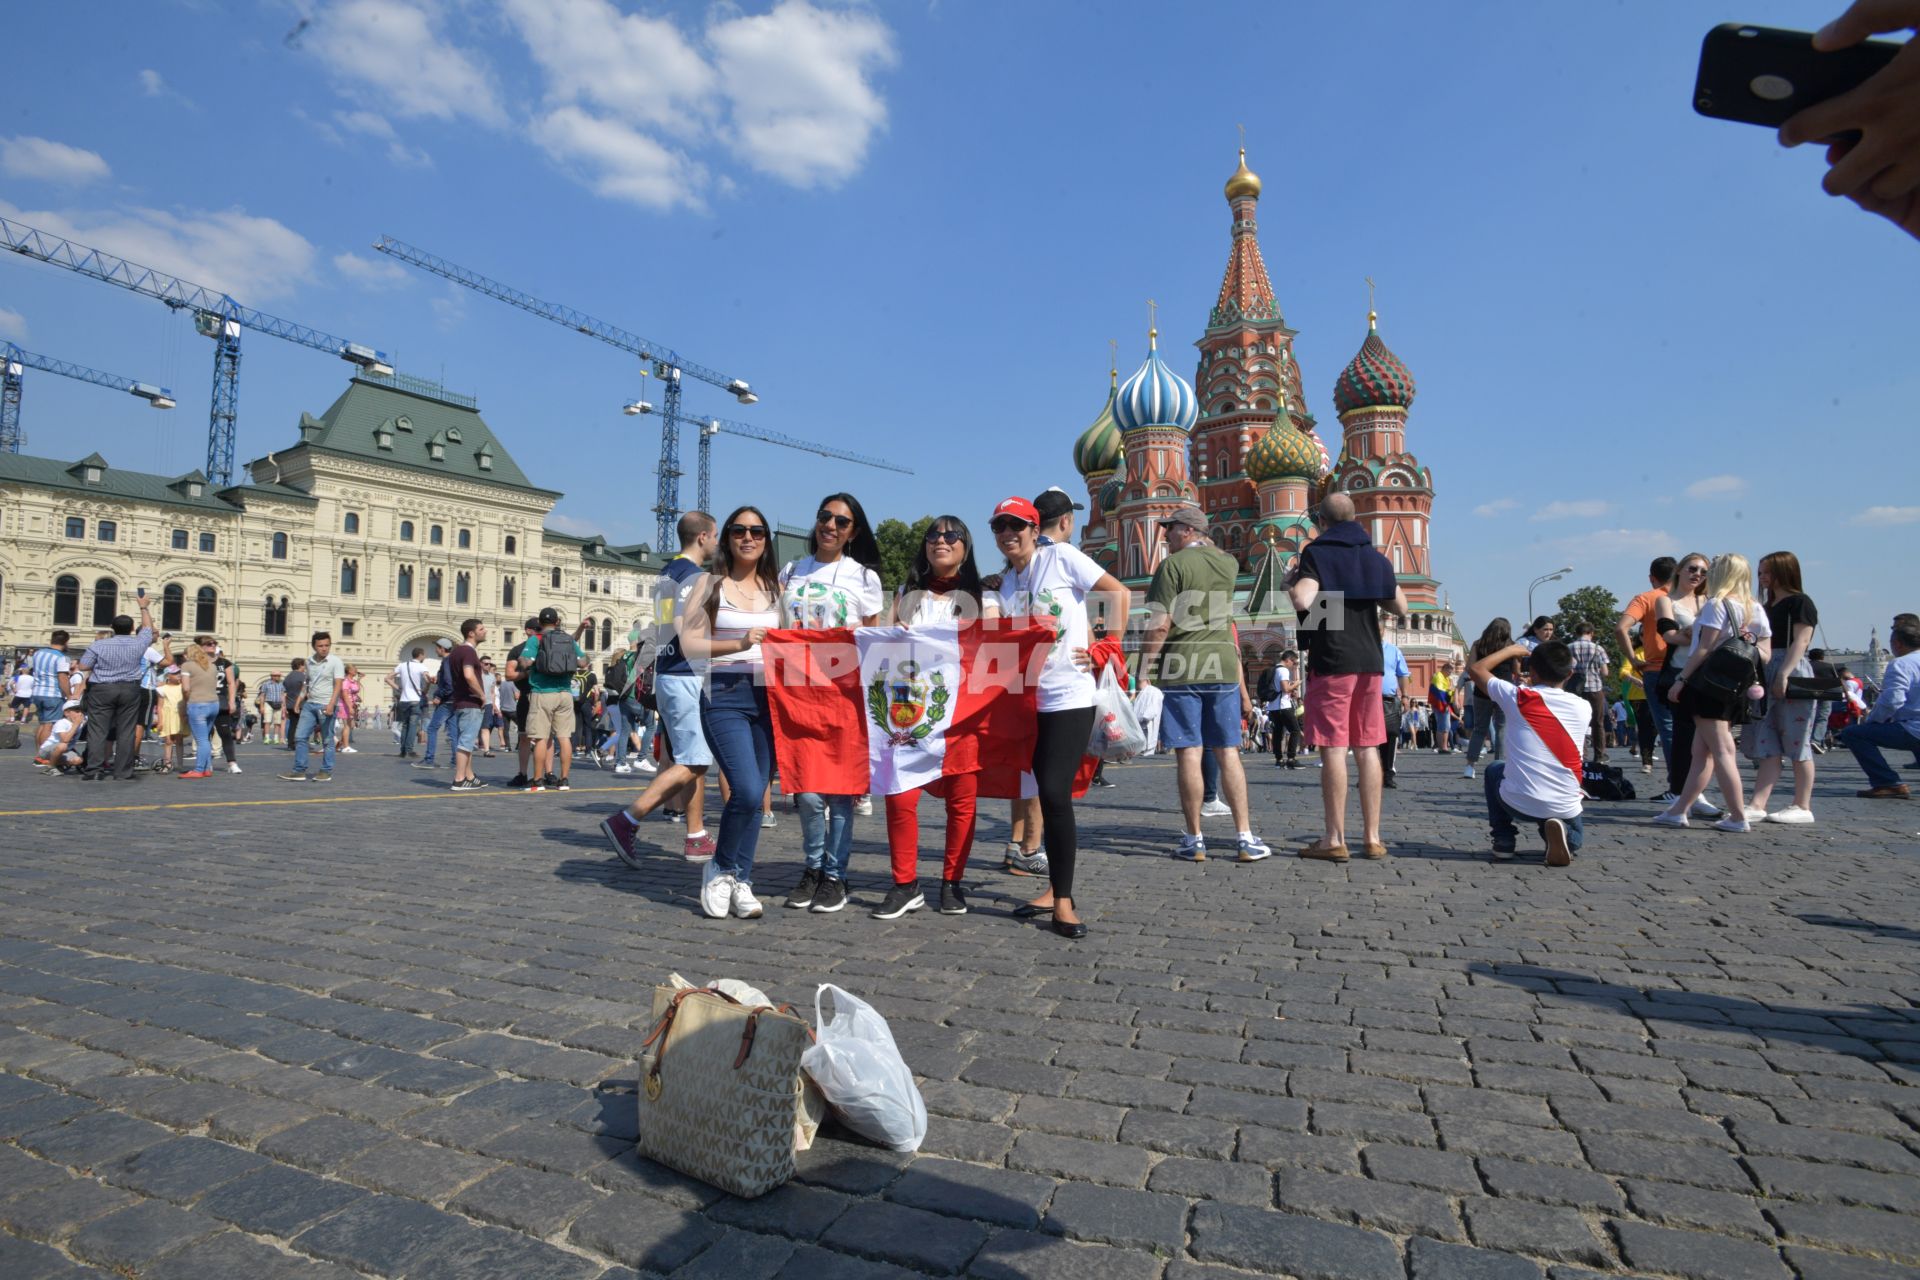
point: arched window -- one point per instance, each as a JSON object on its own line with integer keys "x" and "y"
{"x": 1224, "y": 466}
{"x": 404, "y": 584}
{"x": 275, "y": 617}
{"x": 352, "y": 523}
{"x": 506, "y": 593}
{"x": 436, "y": 535}
{"x": 406, "y": 531}
{"x": 66, "y": 601}
{"x": 173, "y": 608}
{"x": 556, "y": 577}
{"x": 433, "y": 586}
{"x": 349, "y": 577}
{"x": 279, "y": 546}
{"x": 462, "y": 588}
{"x": 513, "y": 545}
{"x": 1399, "y": 559}
{"x": 466, "y": 539}
{"x": 106, "y": 601}
{"x": 606, "y": 633}
{"x": 206, "y": 609}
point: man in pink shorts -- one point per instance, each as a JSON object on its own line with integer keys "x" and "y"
{"x": 1340, "y": 585}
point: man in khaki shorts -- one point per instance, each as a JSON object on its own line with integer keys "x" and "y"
{"x": 550, "y": 698}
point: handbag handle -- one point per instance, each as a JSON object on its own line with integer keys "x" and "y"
{"x": 663, "y": 1028}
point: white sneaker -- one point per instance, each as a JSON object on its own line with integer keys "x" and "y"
{"x": 623, "y": 769}
{"x": 1665, "y": 819}
{"x": 1468, "y": 773}
{"x": 648, "y": 766}
{"x": 1646, "y": 768}
{"x": 1732, "y": 824}
{"x": 745, "y": 905}
{"x": 864, "y": 806}
{"x": 1215, "y": 809}
{"x": 1793, "y": 815}
{"x": 349, "y": 751}
{"x": 1701, "y": 809}
{"x": 716, "y": 891}
{"x": 233, "y": 768}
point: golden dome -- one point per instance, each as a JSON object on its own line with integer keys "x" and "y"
{"x": 1244, "y": 182}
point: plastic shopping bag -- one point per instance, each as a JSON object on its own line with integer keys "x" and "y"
{"x": 1117, "y": 734}
{"x": 861, "y": 1072}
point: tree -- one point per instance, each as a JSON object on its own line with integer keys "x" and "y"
{"x": 899, "y": 543}
{"x": 1598, "y": 606}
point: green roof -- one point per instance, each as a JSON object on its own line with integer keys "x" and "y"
{"x": 597, "y": 550}
{"x": 136, "y": 486}
{"x": 421, "y": 431}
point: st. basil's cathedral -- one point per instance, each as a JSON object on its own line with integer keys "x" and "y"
{"x": 1240, "y": 443}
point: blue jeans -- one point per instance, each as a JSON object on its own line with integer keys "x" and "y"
{"x": 200, "y": 719}
{"x": 1865, "y": 740}
{"x": 826, "y": 833}
{"x": 737, "y": 728}
{"x": 1488, "y": 721}
{"x": 407, "y": 716}
{"x": 1500, "y": 815}
{"x": 1661, "y": 710}
{"x": 442, "y": 717}
{"x": 311, "y": 719}
{"x": 628, "y": 715}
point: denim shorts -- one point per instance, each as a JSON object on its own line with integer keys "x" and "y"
{"x": 466, "y": 727}
{"x": 678, "y": 700}
{"x": 1200, "y": 715}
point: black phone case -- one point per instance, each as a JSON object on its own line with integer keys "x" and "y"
{"x": 1763, "y": 75}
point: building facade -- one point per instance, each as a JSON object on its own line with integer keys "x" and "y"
{"x": 386, "y": 520}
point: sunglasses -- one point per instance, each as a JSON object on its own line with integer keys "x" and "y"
{"x": 746, "y": 531}
{"x": 945, "y": 535}
{"x": 1008, "y": 524}
{"x": 838, "y": 522}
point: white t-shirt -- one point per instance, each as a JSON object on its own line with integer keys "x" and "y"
{"x": 842, "y": 594}
{"x": 1054, "y": 586}
{"x": 1281, "y": 700}
{"x": 732, "y": 623}
{"x": 929, "y": 608}
{"x": 23, "y": 685}
{"x": 1730, "y": 617}
{"x": 152, "y": 666}
{"x": 412, "y": 677}
{"x": 57, "y": 734}
{"x": 1539, "y": 783}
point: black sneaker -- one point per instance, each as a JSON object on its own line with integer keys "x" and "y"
{"x": 953, "y": 902}
{"x": 562, "y": 785}
{"x": 322, "y": 776}
{"x": 830, "y": 896}
{"x": 552, "y": 782}
{"x": 900, "y": 899}
{"x": 295, "y": 776}
{"x": 519, "y": 780}
{"x": 802, "y": 896}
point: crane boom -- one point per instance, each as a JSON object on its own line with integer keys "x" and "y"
{"x": 711, "y": 427}
{"x": 14, "y": 362}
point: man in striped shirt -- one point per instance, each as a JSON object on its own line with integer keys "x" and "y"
{"x": 52, "y": 677}
{"x": 1590, "y": 667}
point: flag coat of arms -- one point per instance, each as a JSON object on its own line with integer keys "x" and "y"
{"x": 884, "y": 710}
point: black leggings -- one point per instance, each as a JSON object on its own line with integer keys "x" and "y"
{"x": 1284, "y": 727}
{"x": 1644, "y": 728}
{"x": 1057, "y": 750}
{"x": 1680, "y": 759}
{"x": 224, "y": 725}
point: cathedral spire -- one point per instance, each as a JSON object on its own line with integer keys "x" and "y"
{"x": 1245, "y": 292}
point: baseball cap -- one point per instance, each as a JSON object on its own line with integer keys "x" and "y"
{"x": 1017, "y": 507}
{"x": 70, "y": 704}
{"x": 1055, "y": 502}
{"x": 443, "y": 643}
{"x": 549, "y": 616}
{"x": 1188, "y": 517}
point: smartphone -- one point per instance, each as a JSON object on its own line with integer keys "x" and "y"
{"x": 1763, "y": 75}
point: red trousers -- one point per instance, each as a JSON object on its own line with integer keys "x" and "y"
{"x": 903, "y": 827}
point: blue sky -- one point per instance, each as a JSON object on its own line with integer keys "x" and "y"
{"x": 914, "y": 228}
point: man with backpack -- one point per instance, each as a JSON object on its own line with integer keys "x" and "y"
{"x": 409, "y": 684}
{"x": 441, "y": 702}
{"x": 550, "y": 658}
{"x": 625, "y": 684}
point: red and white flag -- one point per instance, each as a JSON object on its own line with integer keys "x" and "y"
{"x": 882, "y": 710}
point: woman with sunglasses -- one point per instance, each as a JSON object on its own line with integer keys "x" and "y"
{"x": 734, "y": 610}
{"x": 942, "y": 586}
{"x": 836, "y": 584}
{"x": 1674, "y": 616}
{"x": 1053, "y": 584}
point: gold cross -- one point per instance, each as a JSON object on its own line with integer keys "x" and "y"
{"x": 1113, "y": 355}
{"x": 1369, "y": 280}
{"x": 1243, "y": 136}
{"x": 1153, "y": 315}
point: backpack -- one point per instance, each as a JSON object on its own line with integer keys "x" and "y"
{"x": 555, "y": 656}
{"x": 1605, "y": 782}
{"x": 1730, "y": 669}
{"x": 443, "y": 683}
{"x": 642, "y": 691}
{"x": 620, "y": 674}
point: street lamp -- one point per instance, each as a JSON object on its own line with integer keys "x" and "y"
{"x": 1555, "y": 576}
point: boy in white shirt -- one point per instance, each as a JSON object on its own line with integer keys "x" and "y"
{"x": 60, "y": 740}
{"x": 1540, "y": 779}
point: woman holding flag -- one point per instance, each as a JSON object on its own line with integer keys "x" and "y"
{"x": 942, "y": 586}
{"x": 1052, "y": 584}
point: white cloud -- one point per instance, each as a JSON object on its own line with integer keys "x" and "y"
{"x": 1888, "y": 516}
{"x": 571, "y": 524}
{"x": 50, "y": 161}
{"x": 153, "y": 84}
{"x": 369, "y": 273}
{"x": 1621, "y": 542}
{"x": 253, "y": 258}
{"x": 640, "y": 69}
{"x": 1585, "y": 509}
{"x": 1717, "y": 487}
{"x": 1494, "y": 508}
{"x": 796, "y": 79}
{"x": 371, "y": 124}
{"x": 450, "y": 308}
{"x": 618, "y": 161}
{"x": 13, "y": 325}
{"x": 394, "y": 49}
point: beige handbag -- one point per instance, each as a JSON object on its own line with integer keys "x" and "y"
{"x": 720, "y": 1087}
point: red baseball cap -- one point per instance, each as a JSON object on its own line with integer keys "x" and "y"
{"x": 1017, "y": 507}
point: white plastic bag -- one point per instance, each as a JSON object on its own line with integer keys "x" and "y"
{"x": 857, "y": 1066}
{"x": 1117, "y": 734}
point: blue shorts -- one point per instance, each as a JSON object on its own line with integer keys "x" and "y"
{"x": 466, "y": 727}
{"x": 678, "y": 699}
{"x": 1200, "y": 715}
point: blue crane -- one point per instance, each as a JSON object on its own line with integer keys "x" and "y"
{"x": 215, "y": 315}
{"x": 14, "y": 363}
{"x": 664, "y": 363}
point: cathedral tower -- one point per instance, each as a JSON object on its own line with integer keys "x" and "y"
{"x": 1155, "y": 411}
{"x": 1097, "y": 457}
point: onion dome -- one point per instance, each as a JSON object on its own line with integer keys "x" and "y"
{"x": 1110, "y": 492}
{"x": 1155, "y": 396}
{"x": 1098, "y": 448}
{"x": 1320, "y": 449}
{"x": 1244, "y": 182}
{"x": 1375, "y": 378}
{"x": 1285, "y": 452}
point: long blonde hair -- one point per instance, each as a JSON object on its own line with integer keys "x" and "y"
{"x": 1674, "y": 584}
{"x": 1730, "y": 578}
{"x": 197, "y": 651}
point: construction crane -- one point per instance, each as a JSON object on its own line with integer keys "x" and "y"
{"x": 13, "y": 365}
{"x": 662, "y": 362}
{"x": 215, "y": 314}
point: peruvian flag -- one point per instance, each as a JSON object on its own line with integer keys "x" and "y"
{"x": 882, "y": 710}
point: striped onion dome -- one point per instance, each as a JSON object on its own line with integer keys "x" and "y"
{"x": 1110, "y": 492}
{"x": 1284, "y": 452}
{"x": 1375, "y": 378}
{"x": 1320, "y": 446}
{"x": 1155, "y": 396}
{"x": 1098, "y": 448}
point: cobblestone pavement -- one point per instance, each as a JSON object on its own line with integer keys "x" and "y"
{"x": 391, "y": 1031}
